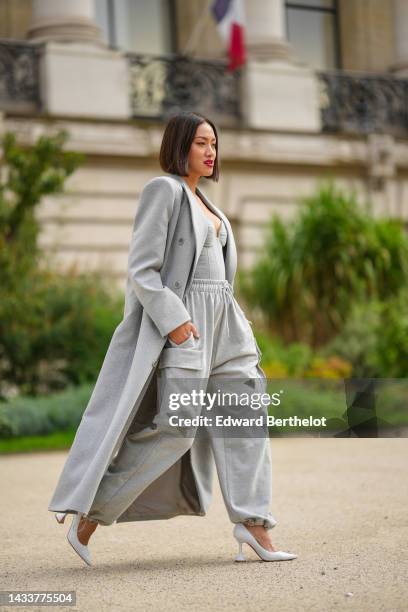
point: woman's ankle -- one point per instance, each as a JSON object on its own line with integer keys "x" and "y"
{"x": 85, "y": 530}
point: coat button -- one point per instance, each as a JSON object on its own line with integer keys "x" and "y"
{"x": 177, "y": 284}
{"x": 181, "y": 240}
{"x": 154, "y": 363}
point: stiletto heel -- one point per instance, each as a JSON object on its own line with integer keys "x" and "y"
{"x": 72, "y": 537}
{"x": 60, "y": 517}
{"x": 242, "y": 535}
{"x": 240, "y": 556}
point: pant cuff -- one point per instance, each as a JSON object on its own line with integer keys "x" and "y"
{"x": 268, "y": 523}
{"x": 91, "y": 520}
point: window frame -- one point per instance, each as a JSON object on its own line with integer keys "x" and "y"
{"x": 111, "y": 20}
{"x": 334, "y": 10}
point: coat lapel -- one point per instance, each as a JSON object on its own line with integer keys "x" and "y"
{"x": 200, "y": 231}
{"x": 199, "y": 228}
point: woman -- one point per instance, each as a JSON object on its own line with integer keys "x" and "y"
{"x": 182, "y": 263}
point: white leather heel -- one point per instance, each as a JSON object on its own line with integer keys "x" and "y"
{"x": 60, "y": 516}
{"x": 242, "y": 535}
{"x": 72, "y": 537}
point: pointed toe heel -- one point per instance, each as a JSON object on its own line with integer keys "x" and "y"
{"x": 72, "y": 537}
{"x": 60, "y": 517}
{"x": 242, "y": 535}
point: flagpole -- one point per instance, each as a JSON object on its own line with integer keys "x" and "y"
{"x": 198, "y": 28}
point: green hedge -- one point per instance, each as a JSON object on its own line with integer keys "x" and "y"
{"x": 55, "y": 331}
{"x": 29, "y": 416}
{"x": 51, "y": 422}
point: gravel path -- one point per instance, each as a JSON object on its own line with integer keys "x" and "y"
{"x": 341, "y": 505}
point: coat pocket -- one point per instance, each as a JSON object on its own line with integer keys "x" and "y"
{"x": 189, "y": 358}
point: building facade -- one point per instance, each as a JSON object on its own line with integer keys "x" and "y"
{"x": 324, "y": 93}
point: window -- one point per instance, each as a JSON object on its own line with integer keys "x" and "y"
{"x": 312, "y": 30}
{"x": 137, "y": 25}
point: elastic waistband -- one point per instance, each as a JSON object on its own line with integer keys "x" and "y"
{"x": 223, "y": 287}
{"x": 209, "y": 284}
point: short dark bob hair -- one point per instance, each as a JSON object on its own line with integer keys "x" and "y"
{"x": 177, "y": 138}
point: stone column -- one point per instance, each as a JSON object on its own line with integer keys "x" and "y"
{"x": 400, "y": 65}
{"x": 64, "y": 20}
{"x": 265, "y": 30}
{"x": 79, "y": 75}
{"x": 278, "y": 91}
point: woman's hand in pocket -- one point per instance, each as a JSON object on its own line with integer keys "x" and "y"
{"x": 182, "y": 332}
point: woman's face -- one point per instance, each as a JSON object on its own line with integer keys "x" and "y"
{"x": 202, "y": 150}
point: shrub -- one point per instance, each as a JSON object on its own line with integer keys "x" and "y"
{"x": 298, "y": 360}
{"x": 330, "y": 256}
{"x": 54, "y": 331}
{"x": 392, "y": 344}
{"x": 375, "y": 338}
{"x": 28, "y": 174}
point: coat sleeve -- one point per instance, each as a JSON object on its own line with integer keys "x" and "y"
{"x": 146, "y": 256}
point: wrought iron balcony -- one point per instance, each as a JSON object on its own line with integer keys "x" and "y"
{"x": 19, "y": 76}
{"x": 161, "y": 85}
{"x": 362, "y": 104}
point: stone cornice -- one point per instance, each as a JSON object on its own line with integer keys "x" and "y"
{"x": 135, "y": 139}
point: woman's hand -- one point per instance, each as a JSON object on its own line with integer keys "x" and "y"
{"x": 182, "y": 332}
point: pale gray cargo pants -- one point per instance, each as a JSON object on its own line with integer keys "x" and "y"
{"x": 226, "y": 349}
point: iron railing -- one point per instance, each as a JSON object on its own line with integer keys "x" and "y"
{"x": 19, "y": 76}
{"x": 351, "y": 102}
{"x": 161, "y": 85}
{"x": 362, "y": 104}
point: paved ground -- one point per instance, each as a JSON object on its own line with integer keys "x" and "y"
{"x": 341, "y": 504}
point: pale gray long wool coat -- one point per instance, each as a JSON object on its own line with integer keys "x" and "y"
{"x": 166, "y": 242}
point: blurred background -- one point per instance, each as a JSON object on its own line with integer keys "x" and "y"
{"x": 311, "y": 103}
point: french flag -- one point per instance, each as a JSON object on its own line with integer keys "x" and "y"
{"x": 230, "y": 18}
